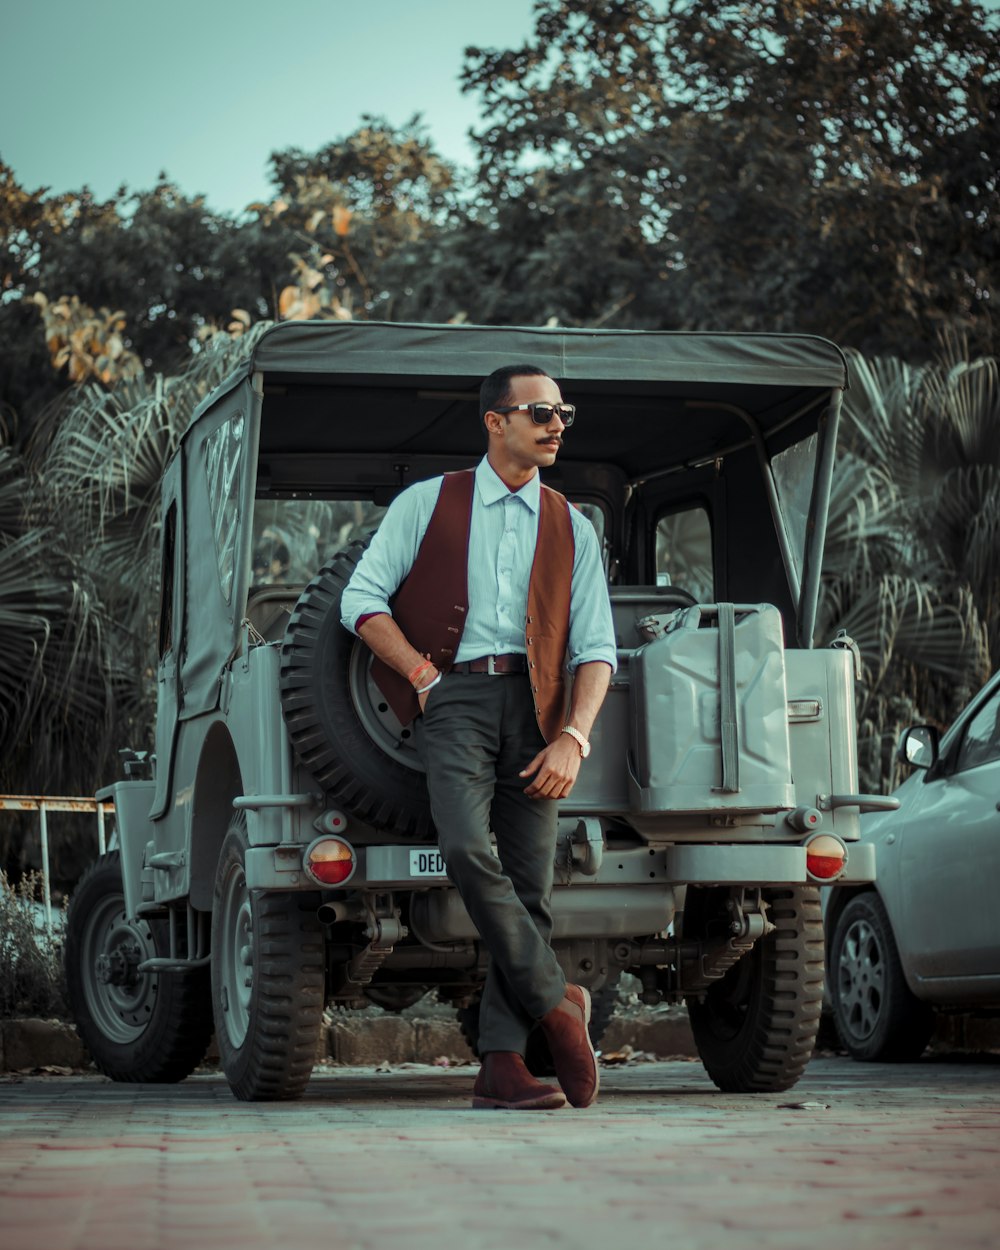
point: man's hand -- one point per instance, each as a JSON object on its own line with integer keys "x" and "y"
{"x": 425, "y": 695}
{"x": 556, "y": 766}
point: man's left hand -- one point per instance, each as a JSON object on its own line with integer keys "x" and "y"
{"x": 556, "y": 768}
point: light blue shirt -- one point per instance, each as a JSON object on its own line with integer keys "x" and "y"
{"x": 502, "y": 537}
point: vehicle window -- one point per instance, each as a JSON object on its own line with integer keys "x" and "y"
{"x": 793, "y": 471}
{"x": 293, "y": 538}
{"x": 981, "y": 740}
{"x": 167, "y": 581}
{"x": 684, "y": 553}
{"x": 222, "y": 470}
{"x": 595, "y": 515}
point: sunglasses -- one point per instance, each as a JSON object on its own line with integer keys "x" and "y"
{"x": 542, "y": 414}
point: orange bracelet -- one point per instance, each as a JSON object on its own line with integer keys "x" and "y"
{"x": 418, "y": 670}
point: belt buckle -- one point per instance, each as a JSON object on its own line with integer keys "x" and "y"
{"x": 491, "y": 665}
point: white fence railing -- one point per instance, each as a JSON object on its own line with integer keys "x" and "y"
{"x": 43, "y": 804}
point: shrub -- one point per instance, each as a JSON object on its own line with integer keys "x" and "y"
{"x": 31, "y": 971}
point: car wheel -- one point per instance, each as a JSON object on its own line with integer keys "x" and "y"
{"x": 137, "y": 1026}
{"x": 341, "y": 726}
{"x": 268, "y": 980}
{"x": 755, "y": 1028}
{"x": 878, "y": 1018}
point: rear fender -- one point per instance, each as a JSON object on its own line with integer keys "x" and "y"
{"x": 217, "y": 782}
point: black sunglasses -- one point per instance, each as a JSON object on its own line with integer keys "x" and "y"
{"x": 542, "y": 414}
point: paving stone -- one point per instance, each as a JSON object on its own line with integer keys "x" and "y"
{"x": 906, "y": 1156}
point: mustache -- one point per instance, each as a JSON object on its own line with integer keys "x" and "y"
{"x": 554, "y": 438}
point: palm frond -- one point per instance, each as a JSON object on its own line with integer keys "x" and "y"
{"x": 884, "y": 422}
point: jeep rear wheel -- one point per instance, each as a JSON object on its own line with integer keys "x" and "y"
{"x": 268, "y": 980}
{"x": 755, "y": 1028}
{"x": 340, "y": 725}
{"x": 137, "y": 1026}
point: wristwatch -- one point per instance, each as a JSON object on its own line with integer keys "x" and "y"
{"x": 581, "y": 740}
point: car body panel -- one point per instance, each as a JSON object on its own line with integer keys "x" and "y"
{"x": 938, "y": 860}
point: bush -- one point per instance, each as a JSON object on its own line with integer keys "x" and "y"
{"x": 31, "y": 971}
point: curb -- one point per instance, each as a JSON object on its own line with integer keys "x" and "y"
{"x": 366, "y": 1039}
{"x": 358, "y": 1040}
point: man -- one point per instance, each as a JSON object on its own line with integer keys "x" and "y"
{"x": 493, "y": 580}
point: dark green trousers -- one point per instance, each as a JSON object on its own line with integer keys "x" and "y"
{"x": 475, "y": 736}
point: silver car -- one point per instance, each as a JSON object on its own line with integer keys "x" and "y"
{"x": 926, "y": 934}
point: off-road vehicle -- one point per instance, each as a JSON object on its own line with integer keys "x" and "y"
{"x": 276, "y": 855}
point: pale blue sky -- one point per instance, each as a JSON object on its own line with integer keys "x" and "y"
{"x": 112, "y": 91}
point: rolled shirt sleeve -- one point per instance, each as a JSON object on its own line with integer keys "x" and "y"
{"x": 390, "y": 554}
{"x": 591, "y": 628}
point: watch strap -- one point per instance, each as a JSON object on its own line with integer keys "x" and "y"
{"x": 581, "y": 741}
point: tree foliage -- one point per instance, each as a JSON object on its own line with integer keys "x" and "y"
{"x": 911, "y": 568}
{"x": 815, "y": 165}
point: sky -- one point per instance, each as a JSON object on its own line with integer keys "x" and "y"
{"x": 115, "y": 91}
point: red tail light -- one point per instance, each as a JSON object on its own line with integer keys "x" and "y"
{"x": 330, "y": 861}
{"x": 826, "y": 857}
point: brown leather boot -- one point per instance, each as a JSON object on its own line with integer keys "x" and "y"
{"x": 565, "y": 1029}
{"x": 506, "y": 1084}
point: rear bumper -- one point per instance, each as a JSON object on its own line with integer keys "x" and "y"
{"x": 393, "y": 867}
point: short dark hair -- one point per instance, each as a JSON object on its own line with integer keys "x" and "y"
{"x": 495, "y": 390}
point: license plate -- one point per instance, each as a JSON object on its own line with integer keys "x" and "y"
{"x": 426, "y": 864}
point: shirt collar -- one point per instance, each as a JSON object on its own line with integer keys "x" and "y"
{"x": 491, "y": 488}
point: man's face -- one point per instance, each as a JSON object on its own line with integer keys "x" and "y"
{"x": 529, "y": 445}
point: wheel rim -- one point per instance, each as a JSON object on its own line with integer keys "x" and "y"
{"x": 236, "y": 954}
{"x": 861, "y": 979}
{"x": 377, "y": 718}
{"x": 119, "y": 999}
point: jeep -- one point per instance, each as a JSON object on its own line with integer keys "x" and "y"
{"x": 276, "y": 854}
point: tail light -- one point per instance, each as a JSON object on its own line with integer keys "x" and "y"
{"x": 330, "y": 861}
{"x": 826, "y": 857}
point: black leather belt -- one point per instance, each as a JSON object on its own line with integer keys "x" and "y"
{"x": 494, "y": 665}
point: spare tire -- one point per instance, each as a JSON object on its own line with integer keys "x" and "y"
{"x": 340, "y": 725}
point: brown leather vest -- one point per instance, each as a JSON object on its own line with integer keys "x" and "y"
{"x": 431, "y": 605}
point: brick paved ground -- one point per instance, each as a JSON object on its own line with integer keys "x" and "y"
{"x": 867, "y": 1156}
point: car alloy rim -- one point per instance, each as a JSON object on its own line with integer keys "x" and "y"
{"x": 861, "y": 979}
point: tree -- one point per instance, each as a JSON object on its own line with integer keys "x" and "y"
{"x": 911, "y": 568}
{"x": 821, "y": 165}
{"x": 158, "y": 270}
{"x": 160, "y": 261}
{"x": 361, "y": 209}
{"x": 79, "y": 544}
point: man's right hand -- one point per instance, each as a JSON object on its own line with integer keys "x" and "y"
{"x": 429, "y": 676}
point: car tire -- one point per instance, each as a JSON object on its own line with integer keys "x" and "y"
{"x": 268, "y": 980}
{"x": 755, "y": 1028}
{"x": 149, "y": 1026}
{"x": 340, "y": 725}
{"x": 878, "y": 1018}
